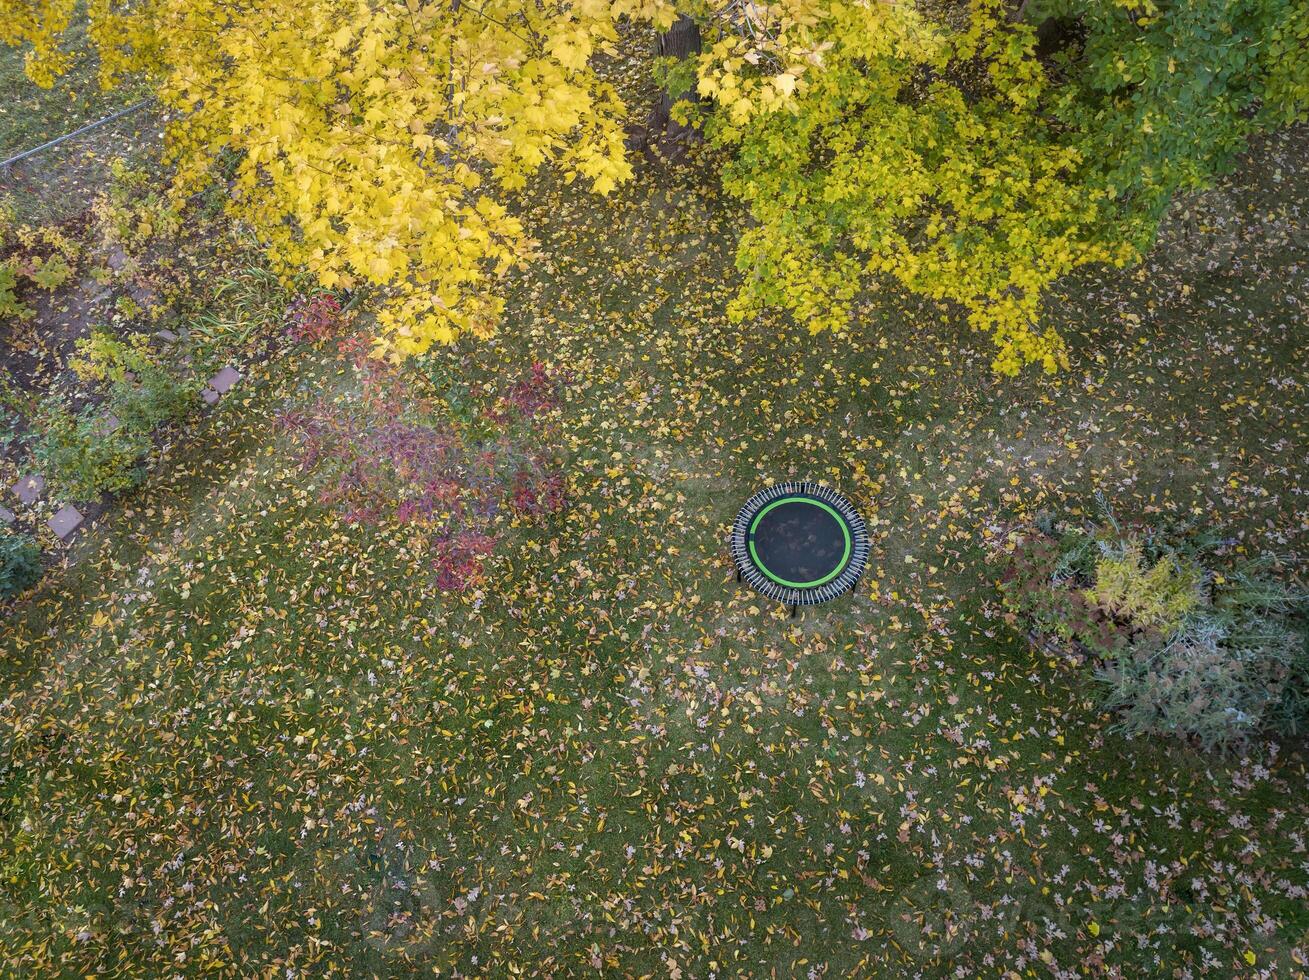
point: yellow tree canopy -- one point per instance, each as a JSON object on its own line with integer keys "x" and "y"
{"x": 374, "y": 143}
{"x": 929, "y": 143}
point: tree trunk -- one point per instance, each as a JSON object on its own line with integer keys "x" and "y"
{"x": 661, "y": 131}
{"x": 1052, "y": 33}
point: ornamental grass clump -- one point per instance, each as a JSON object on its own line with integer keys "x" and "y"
{"x": 1182, "y": 642}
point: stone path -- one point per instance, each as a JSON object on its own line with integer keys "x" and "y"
{"x": 106, "y": 424}
{"x": 65, "y": 522}
{"x": 29, "y": 488}
{"x": 220, "y": 384}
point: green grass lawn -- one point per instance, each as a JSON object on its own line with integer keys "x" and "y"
{"x": 29, "y": 115}
{"x": 241, "y": 736}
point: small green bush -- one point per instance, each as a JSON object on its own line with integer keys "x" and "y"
{"x": 80, "y": 457}
{"x": 131, "y": 212}
{"x": 142, "y": 392}
{"x": 1220, "y": 679}
{"x": 14, "y": 406}
{"x": 20, "y": 564}
{"x": 10, "y": 307}
{"x": 50, "y": 273}
{"x": 1180, "y": 647}
{"x": 151, "y": 401}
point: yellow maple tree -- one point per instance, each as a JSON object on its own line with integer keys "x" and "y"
{"x": 373, "y": 144}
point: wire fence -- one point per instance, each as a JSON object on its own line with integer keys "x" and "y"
{"x": 48, "y": 144}
{"x": 58, "y": 178}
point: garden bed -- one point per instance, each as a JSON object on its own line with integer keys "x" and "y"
{"x": 1185, "y": 638}
{"x": 118, "y": 320}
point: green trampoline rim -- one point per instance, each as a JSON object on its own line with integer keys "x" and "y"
{"x": 840, "y": 566}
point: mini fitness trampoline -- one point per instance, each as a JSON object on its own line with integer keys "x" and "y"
{"x": 799, "y": 543}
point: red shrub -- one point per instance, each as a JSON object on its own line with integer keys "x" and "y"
{"x": 536, "y": 493}
{"x": 388, "y": 460}
{"x": 314, "y": 318}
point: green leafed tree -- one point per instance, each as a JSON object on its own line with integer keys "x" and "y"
{"x": 978, "y": 152}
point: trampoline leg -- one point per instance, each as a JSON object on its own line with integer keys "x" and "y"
{"x": 738, "y": 576}
{"x": 794, "y": 610}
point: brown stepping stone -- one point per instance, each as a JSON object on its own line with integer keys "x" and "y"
{"x": 222, "y": 381}
{"x": 29, "y": 488}
{"x": 64, "y": 523}
{"x": 167, "y": 336}
{"x": 210, "y": 396}
{"x": 6, "y": 515}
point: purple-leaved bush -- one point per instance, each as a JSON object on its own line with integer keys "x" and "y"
{"x": 390, "y": 460}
